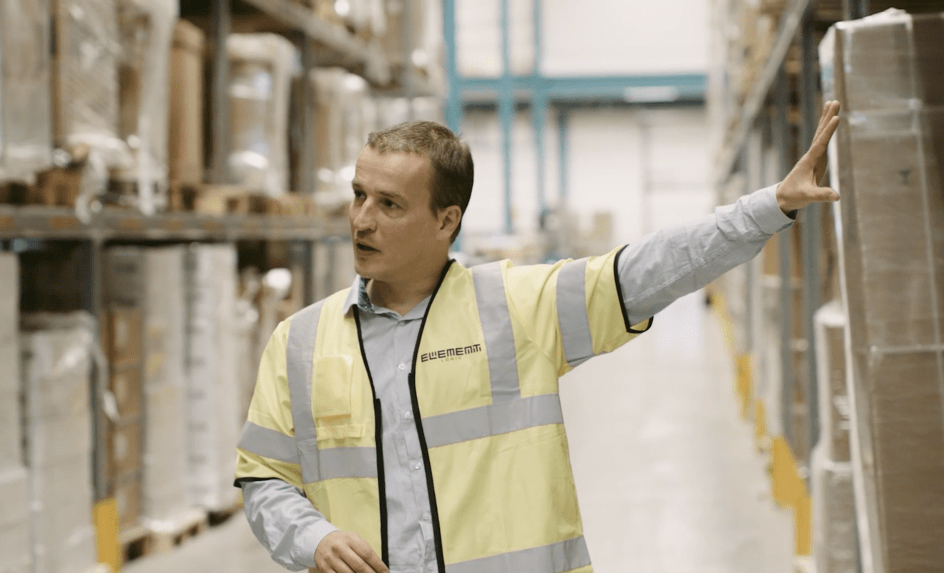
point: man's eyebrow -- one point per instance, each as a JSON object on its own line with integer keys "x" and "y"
{"x": 392, "y": 195}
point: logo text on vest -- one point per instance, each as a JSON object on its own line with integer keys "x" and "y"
{"x": 452, "y": 352}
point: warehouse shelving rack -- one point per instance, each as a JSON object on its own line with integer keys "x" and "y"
{"x": 81, "y": 238}
{"x": 763, "y": 122}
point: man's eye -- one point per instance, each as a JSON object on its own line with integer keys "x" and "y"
{"x": 389, "y": 204}
{"x": 358, "y": 194}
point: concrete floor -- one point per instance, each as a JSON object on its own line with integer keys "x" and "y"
{"x": 667, "y": 473}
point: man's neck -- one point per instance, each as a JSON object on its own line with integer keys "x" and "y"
{"x": 400, "y": 298}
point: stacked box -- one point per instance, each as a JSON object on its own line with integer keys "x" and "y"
{"x": 260, "y": 81}
{"x": 185, "y": 137}
{"x": 145, "y": 29}
{"x": 25, "y": 68}
{"x": 886, "y": 71}
{"x": 152, "y": 281}
{"x": 58, "y": 428}
{"x": 834, "y": 516}
{"x": 212, "y": 394}
{"x": 85, "y": 80}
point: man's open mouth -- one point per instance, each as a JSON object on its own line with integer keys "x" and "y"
{"x": 365, "y": 247}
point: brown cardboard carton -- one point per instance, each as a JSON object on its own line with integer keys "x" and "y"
{"x": 185, "y": 138}
{"x": 123, "y": 335}
{"x": 886, "y": 71}
{"x": 124, "y": 449}
{"x": 125, "y": 385}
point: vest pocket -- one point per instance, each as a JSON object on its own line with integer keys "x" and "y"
{"x": 336, "y": 399}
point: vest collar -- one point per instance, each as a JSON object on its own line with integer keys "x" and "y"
{"x": 357, "y": 296}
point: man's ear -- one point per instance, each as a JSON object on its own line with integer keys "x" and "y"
{"x": 449, "y": 220}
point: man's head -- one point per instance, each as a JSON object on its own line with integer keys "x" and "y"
{"x": 411, "y": 185}
{"x": 452, "y": 163}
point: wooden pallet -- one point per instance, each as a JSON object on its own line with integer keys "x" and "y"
{"x": 141, "y": 541}
{"x": 218, "y": 516}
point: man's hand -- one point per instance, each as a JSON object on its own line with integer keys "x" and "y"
{"x": 346, "y": 552}
{"x": 802, "y": 186}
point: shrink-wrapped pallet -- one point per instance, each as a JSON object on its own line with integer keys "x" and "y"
{"x": 15, "y": 532}
{"x": 25, "y": 69}
{"x": 56, "y": 361}
{"x": 344, "y": 115}
{"x": 85, "y": 83}
{"x": 886, "y": 71}
{"x": 145, "y": 28}
{"x": 833, "y": 518}
{"x": 11, "y": 452}
{"x": 152, "y": 280}
{"x": 212, "y": 393}
{"x": 260, "y": 82}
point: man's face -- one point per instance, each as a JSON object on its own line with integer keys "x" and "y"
{"x": 396, "y": 236}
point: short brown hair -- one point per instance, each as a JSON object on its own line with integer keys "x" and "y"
{"x": 450, "y": 157}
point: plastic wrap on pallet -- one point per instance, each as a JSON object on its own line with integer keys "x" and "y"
{"x": 25, "y": 72}
{"x": 145, "y": 28}
{"x": 260, "y": 81}
{"x": 833, "y": 519}
{"x": 152, "y": 280}
{"x": 833, "y": 401}
{"x": 56, "y": 358}
{"x": 10, "y": 432}
{"x": 345, "y": 114}
{"x": 15, "y": 556}
{"x": 886, "y": 71}
{"x": 85, "y": 82}
{"x": 212, "y": 412}
{"x": 393, "y": 111}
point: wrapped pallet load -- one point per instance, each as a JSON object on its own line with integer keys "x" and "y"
{"x": 833, "y": 514}
{"x": 15, "y": 553}
{"x": 145, "y": 28}
{"x": 56, "y": 361}
{"x": 25, "y": 68}
{"x": 344, "y": 116}
{"x": 212, "y": 400}
{"x": 886, "y": 71}
{"x": 85, "y": 92}
{"x": 260, "y": 82}
{"x": 185, "y": 145}
{"x": 151, "y": 281}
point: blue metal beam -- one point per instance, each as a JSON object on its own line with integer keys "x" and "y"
{"x": 642, "y": 88}
{"x": 454, "y": 108}
{"x": 506, "y": 113}
{"x": 539, "y": 107}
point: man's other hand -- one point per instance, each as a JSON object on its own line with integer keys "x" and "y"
{"x": 346, "y": 552}
{"x": 802, "y": 186}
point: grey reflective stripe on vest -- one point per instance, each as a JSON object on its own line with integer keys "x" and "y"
{"x": 497, "y": 332}
{"x": 489, "y": 420}
{"x": 555, "y": 558}
{"x": 317, "y": 464}
{"x": 268, "y": 443}
{"x": 572, "y": 313}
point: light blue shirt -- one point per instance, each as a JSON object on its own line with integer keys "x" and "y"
{"x": 653, "y": 273}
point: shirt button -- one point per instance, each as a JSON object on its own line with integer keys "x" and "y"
{"x": 408, "y": 416}
{"x": 426, "y": 516}
{"x": 417, "y": 465}
{"x": 402, "y": 366}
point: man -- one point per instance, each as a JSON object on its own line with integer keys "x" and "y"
{"x": 413, "y": 421}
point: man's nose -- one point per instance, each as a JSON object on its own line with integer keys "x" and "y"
{"x": 362, "y": 216}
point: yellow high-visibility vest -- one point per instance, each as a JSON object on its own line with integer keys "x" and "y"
{"x": 484, "y": 388}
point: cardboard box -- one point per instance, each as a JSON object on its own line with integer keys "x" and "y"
{"x": 125, "y": 385}
{"x": 886, "y": 71}
{"x": 124, "y": 449}
{"x": 833, "y": 400}
{"x": 123, "y": 333}
{"x": 127, "y": 496}
{"x": 185, "y": 139}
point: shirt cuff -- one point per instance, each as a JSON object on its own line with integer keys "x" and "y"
{"x": 307, "y": 542}
{"x": 764, "y": 209}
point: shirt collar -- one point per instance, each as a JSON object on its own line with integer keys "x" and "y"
{"x": 358, "y": 296}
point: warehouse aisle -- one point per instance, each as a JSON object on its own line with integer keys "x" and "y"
{"x": 667, "y": 473}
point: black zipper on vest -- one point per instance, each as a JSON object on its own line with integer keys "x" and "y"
{"x": 417, "y": 418}
{"x": 378, "y": 448}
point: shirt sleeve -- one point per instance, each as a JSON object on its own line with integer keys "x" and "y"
{"x": 668, "y": 264}
{"x": 284, "y": 521}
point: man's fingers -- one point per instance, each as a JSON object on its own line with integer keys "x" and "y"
{"x": 818, "y": 148}
{"x": 827, "y": 195}
{"x": 368, "y": 557}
